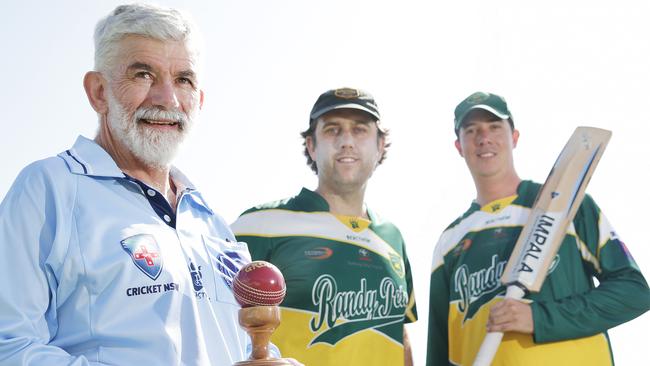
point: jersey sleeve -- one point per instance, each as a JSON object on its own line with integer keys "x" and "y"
{"x": 261, "y": 248}
{"x": 411, "y": 313}
{"x": 250, "y": 232}
{"x": 622, "y": 293}
{"x": 437, "y": 340}
{"x": 32, "y": 222}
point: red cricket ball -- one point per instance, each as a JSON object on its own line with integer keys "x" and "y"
{"x": 259, "y": 283}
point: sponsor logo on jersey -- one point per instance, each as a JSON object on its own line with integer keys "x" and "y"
{"x": 318, "y": 253}
{"x": 357, "y": 238}
{"x": 463, "y": 246}
{"x": 496, "y": 219}
{"x": 197, "y": 280}
{"x": 472, "y": 286}
{"x": 145, "y": 253}
{"x": 364, "y": 255}
{"x": 195, "y": 272}
{"x": 344, "y": 313}
{"x": 499, "y": 233}
{"x": 228, "y": 264}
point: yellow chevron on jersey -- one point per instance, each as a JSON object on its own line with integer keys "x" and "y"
{"x": 519, "y": 349}
{"x": 352, "y": 350}
{"x": 498, "y": 205}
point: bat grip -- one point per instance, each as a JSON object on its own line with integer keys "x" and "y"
{"x": 492, "y": 340}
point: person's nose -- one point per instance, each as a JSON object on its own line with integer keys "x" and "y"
{"x": 163, "y": 95}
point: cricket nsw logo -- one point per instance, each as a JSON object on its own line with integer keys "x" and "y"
{"x": 343, "y": 313}
{"x": 145, "y": 253}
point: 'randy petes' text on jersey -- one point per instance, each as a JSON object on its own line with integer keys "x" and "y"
{"x": 349, "y": 289}
{"x": 570, "y": 316}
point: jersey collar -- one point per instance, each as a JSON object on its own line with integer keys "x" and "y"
{"x": 315, "y": 202}
{"x": 86, "y": 157}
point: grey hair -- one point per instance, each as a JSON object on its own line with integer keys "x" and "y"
{"x": 164, "y": 24}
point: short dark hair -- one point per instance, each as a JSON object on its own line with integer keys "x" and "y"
{"x": 311, "y": 132}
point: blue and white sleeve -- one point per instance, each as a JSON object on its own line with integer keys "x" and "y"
{"x": 31, "y": 222}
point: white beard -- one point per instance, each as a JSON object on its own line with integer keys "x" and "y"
{"x": 154, "y": 148}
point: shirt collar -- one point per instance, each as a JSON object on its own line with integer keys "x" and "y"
{"x": 86, "y": 157}
{"x": 184, "y": 185}
{"x": 318, "y": 203}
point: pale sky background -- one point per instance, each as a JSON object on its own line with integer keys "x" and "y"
{"x": 559, "y": 64}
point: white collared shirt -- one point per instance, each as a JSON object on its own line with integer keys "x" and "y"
{"x": 90, "y": 274}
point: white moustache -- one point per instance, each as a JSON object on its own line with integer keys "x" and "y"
{"x": 157, "y": 114}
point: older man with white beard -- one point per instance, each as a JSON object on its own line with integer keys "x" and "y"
{"x": 108, "y": 255}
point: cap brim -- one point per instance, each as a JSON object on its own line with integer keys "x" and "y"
{"x": 489, "y": 109}
{"x": 485, "y": 108}
{"x": 356, "y": 106}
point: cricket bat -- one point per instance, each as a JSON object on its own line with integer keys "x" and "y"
{"x": 554, "y": 209}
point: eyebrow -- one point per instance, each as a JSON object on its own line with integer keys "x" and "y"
{"x": 140, "y": 66}
{"x": 146, "y": 67}
{"x": 472, "y": 122}
{"x": 356, "y": 123}
{"x": 329, "y": 123}
{"x": 187, "y": 74}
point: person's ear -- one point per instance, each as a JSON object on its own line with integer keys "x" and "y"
{"x": 459, "y": 147}
{"x": 95, "y": 85}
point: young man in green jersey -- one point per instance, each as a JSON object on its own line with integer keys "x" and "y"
{"x": 566, "y": 322}
{"x": 349, "y": 288}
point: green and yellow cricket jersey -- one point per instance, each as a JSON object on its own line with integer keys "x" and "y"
{"x": 571, "y": 315}
{"x": 349, "y": 287}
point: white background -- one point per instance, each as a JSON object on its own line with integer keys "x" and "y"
{"x": 558, "y": 63}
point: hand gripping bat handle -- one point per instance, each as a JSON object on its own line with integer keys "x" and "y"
{"x": 492, "y": 340}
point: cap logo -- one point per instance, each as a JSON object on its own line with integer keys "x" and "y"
{"x": 347, "y": 93}
{"x": 477, "y": 97}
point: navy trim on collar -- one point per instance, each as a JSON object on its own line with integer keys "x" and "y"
{"x": 77, "y": 160}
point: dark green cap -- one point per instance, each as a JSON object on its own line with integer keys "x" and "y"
{"x": 344, "y": 98}
{"x": 490, "y": 102}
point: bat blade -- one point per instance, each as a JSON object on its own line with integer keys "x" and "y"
{"x": 554, "y": 209}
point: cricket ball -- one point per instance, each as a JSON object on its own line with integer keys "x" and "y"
{"x": 259, "y": 283}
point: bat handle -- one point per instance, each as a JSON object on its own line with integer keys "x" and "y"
{"x": 492, "y": 340}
